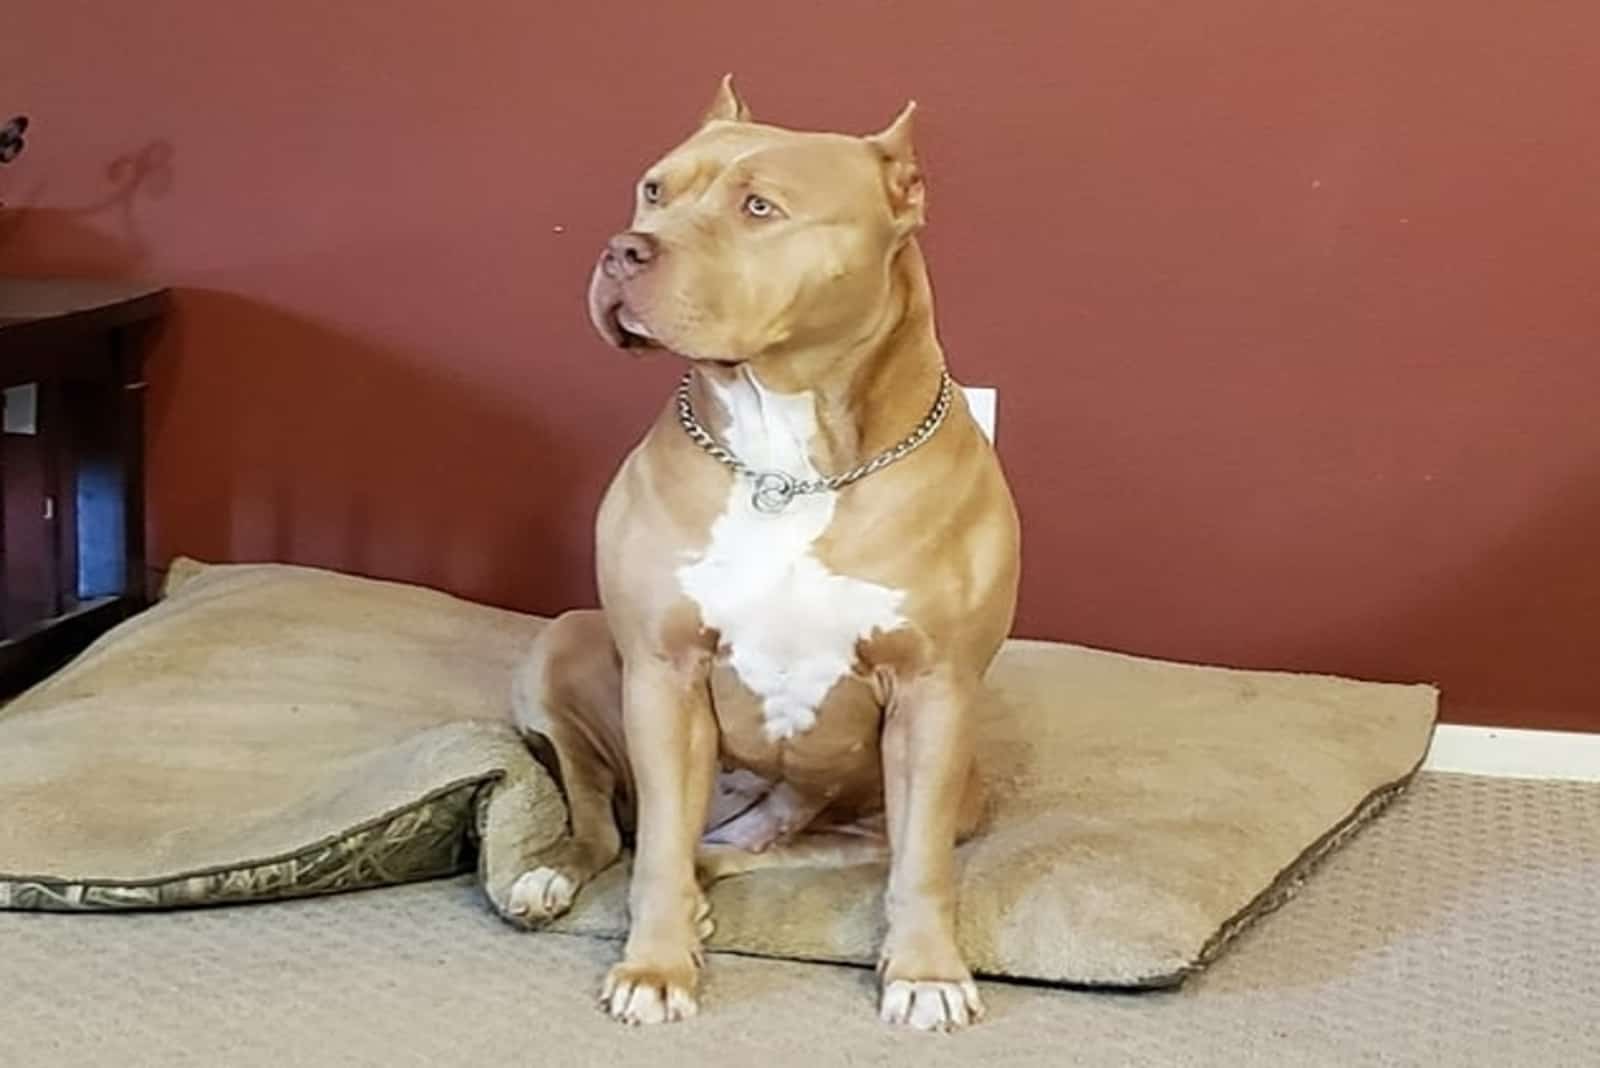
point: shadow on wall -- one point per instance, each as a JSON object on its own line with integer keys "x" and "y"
{"x": 275, "y": 437}
{"x": 99, "y": 237}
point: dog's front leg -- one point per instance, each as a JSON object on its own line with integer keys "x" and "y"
{"x": 672, "y": 742}
{"x": 927, "y": 757}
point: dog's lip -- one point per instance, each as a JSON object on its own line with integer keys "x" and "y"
{"x": 630, "y": 323}
{"x": 631, "y": 333}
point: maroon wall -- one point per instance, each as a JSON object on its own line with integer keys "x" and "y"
{"x": 1291, "y": 307}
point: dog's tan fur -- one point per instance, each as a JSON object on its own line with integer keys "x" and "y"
{"x": 824, "y": 298}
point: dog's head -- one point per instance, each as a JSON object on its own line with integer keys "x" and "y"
{"x": 749, "y": 240}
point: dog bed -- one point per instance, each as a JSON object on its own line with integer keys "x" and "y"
{"x": 268, "y": 731}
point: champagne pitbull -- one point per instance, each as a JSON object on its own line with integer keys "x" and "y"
{"x": 805, "y": 567}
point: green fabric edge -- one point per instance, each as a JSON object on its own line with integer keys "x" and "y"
{"x": 427, "y": 839}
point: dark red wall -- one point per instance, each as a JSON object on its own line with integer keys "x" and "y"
{"x": 1291, "y": 307}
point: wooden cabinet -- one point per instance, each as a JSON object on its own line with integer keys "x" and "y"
{"x": 72, "y": 559}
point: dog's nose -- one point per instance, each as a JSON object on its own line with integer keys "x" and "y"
{"x": 627, "y": 255}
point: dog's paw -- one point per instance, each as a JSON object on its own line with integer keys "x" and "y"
{"x": 650, "y": 994}
{"x": 540, "y": 895}
{"x": 930, "y": 1005}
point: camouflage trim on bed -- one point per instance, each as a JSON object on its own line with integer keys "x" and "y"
{"x": 427, "y": 840}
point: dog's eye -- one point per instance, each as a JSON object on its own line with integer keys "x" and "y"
{"x": 651, "y": 191}
{"x": 758, "y": 207}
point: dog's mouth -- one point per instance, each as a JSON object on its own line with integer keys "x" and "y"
{"x": 627, "y": 331}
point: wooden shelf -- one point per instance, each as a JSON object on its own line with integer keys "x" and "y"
{"x": 72, "y": 560}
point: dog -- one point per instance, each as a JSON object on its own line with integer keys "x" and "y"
{"x": 805, "y": 567}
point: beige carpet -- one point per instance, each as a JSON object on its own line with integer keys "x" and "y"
{"x": 1461, "y": 929}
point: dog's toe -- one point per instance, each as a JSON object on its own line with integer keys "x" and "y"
{"x": 635, "y": 994}
{"x": 541, "y": 894}
{"x": 930, "y": 1006}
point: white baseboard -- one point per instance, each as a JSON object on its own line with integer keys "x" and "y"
{"x": 1511, "y": 752}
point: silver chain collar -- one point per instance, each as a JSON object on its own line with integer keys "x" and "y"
{"x": 775, "y": 489}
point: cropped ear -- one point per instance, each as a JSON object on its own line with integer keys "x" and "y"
{"x": 726, "y": 105}
{"x": 902, "y": 174}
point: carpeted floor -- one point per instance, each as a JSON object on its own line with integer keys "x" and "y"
{"x": 1463, "y": 928}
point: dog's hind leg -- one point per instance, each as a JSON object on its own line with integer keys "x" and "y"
{"x": 568, "y": 707}
{"x": 818, "y": 849}
{"x": 832, "y": 841}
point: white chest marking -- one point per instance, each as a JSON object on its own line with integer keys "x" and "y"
{"x": 789, "y": 625}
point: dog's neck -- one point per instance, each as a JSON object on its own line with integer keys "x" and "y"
{"x": 839, "y": 406}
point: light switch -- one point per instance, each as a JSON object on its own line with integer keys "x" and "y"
{"x": 983, "y": 402}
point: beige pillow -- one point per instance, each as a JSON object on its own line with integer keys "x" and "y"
{"x": 270, "y": 731}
